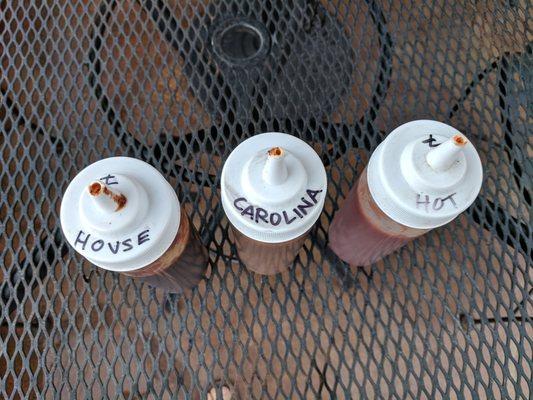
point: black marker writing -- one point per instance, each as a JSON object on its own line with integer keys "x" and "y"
{"x": 127, "y": 245}
{"x": 450, "y": 197}
{"x": 114, "y": 250}
{"x": 97, "y": 245}
{"x": 306, "y": 204}
{"x": 437, "y": 204}
{"x": 249, "y": 211}
{"x": 262, "y": 215}
{"x": 109, "y": 179}
{"x": 239, "y": 200}
{"x": 313, "y": 194}
{"x": 82, "y": 241}
{"x": 114, "y": 247}
{"x": 431, "y": 141}
{"x": 143, "y": 237}
{"x": 425, "y": 202}
{"x": 286, "y": 218}
{"x": 275, "y": 219}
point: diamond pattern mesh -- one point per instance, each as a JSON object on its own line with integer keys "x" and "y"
{"x": 448, "y": 316}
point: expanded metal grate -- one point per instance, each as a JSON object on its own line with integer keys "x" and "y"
{"x": 179, "y": 84}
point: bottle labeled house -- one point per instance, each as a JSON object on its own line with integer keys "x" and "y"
{"x": 122, "y": 215}
{"x": 422, "y": 176}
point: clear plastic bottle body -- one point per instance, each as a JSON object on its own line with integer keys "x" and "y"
{"x": 361, "y": 233}
{"x": 182, "y": 266}
{"x": 267, "y": 258}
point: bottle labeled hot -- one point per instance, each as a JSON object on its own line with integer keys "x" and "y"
{"x": 422, "y": 176}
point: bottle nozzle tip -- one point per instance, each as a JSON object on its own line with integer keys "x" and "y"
{"x": 95, "y": 188}
{"x": 275, "y": 170}
{"x": 446, "y": 154}
{"x": 117, "y": 200}
{"x": 275, "y": 152}
{"x": 459, "y": 140}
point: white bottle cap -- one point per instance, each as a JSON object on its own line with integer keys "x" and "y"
{"x": 120, "y": 213}
{"x": 273, "y": 187}
{"x": 424, "y": 174}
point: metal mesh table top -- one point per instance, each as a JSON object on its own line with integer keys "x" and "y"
{"x": 179, "y": 84}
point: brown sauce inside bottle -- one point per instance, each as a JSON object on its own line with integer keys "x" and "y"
{"x": 182, "y": 266}
{"x": 361, "y": 233}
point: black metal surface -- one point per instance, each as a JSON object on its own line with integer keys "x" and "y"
{"x": 449, "y": 316}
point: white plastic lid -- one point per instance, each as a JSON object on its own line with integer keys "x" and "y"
{"x": 424, "y": 174}
{"x": 120, "y": 213}
{"x": 273, "y": 187}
